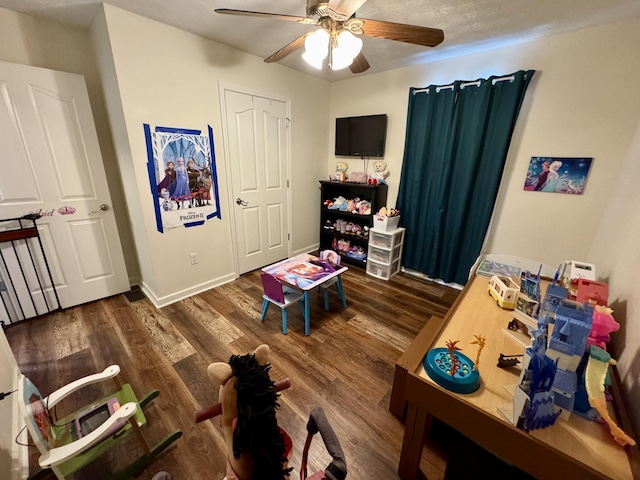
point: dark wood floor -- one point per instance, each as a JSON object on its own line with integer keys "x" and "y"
{"x": 346, "y": 366}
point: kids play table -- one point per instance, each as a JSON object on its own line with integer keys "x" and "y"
{"x": 300, "y": 272}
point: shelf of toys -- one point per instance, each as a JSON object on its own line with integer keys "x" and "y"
{"x": 346, "y": 217}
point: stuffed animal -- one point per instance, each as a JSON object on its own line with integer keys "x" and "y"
{"x": 341, "y": 171}
{"x": 364, "y": 207}
{"x": 257, "y": 449}
{"x": 352, "y": 205}
{"x": 339, "y": 203}
{"x": 380, "y": 172}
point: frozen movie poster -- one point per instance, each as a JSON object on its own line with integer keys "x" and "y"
{"x": 182, "y": 175}
{"x": 557, "y": 174}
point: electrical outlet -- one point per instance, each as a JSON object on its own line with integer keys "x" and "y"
{"x": 193, "y": 258}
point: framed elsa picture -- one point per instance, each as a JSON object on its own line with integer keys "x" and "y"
{"x": 558, "y": 174}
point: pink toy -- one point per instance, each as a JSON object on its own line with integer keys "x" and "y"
{"x": 603, "y": 324}
{"x": 358, "y": 177}
{"x": 596, "y": 293}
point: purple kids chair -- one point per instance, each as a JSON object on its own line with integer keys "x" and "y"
{"x": 280, "y": 295}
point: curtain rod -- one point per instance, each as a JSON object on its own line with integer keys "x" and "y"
{"x": 468, "y": 84}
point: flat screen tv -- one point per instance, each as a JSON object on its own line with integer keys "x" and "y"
{"x": 361, "y": 136}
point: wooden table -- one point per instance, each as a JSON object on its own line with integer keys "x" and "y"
{"x": 300, "y": 273}
{"x": 576, "y": 448}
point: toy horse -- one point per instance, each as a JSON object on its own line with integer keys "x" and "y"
{"x": 257, "y": 449}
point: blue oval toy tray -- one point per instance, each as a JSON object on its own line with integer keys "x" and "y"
{"x": 437, "y": 363}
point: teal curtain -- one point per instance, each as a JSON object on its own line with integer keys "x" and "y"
{"x": 456, "y": 146}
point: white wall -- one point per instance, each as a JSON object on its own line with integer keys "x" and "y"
{"x": 582, "y": 101}
{"x": 31, "y": 41}
{"x": 617, "y": 257}
{"x": 163, "y": 76}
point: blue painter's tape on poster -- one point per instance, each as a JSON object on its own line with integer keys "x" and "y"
{"x": 182, "y": 131}
{"x": 152, "y": 176}
{"x": 214, "y": 174}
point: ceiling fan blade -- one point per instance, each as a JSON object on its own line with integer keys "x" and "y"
{"x": 359, "y": 64}
{"x": 342, "y": 9}
{"x": 287, "y": 49}
{"x": 275, "y": 16}
{"x": 428, "y": 37}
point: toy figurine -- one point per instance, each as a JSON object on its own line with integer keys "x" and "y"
{"x": 341, "y": 171}
{"x": 602, "y": 325}
{"x": 481, "y": 341}
{"x": 506, "y": 361}
{"x": 451, "y": 347}
{"x": 596, "y": 372}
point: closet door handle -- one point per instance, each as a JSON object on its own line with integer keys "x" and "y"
{"x": 239, "y": 201}
{"x": 102, "y": 208}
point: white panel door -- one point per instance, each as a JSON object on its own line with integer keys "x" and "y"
{"x": 258, "y": 156}
{"x": 51, "y": 164}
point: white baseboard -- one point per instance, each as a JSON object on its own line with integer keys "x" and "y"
{"x": 160, "y": 302}
{"x": 308, "y": 249}
{"x": 413, "y": 273}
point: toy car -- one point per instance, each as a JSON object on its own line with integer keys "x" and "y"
{"x": 504, "y": 291}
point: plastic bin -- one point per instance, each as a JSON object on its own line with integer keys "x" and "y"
{"x": 386, "y": 224}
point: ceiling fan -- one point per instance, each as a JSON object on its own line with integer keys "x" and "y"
{"x": 335, "y": 39}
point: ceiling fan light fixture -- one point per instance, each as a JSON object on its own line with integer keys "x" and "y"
{"x": 348, "y": 47}
{"x": 316, "y": 48}
{"x": 317, "y": 43}
{"x": 313, "y": 60}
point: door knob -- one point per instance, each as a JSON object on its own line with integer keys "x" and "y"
{"x": 239, "y": 201}
{"x": 102, "y": 208}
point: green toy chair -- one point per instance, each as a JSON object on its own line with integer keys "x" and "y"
{"x": 76, "y": 440}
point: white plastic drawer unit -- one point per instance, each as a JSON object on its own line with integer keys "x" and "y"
{"x": 385, "y": 252}
{"x": 383, "y": 255}
{"x": 386, "y": 240}
{"x": 380, "y": 270}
